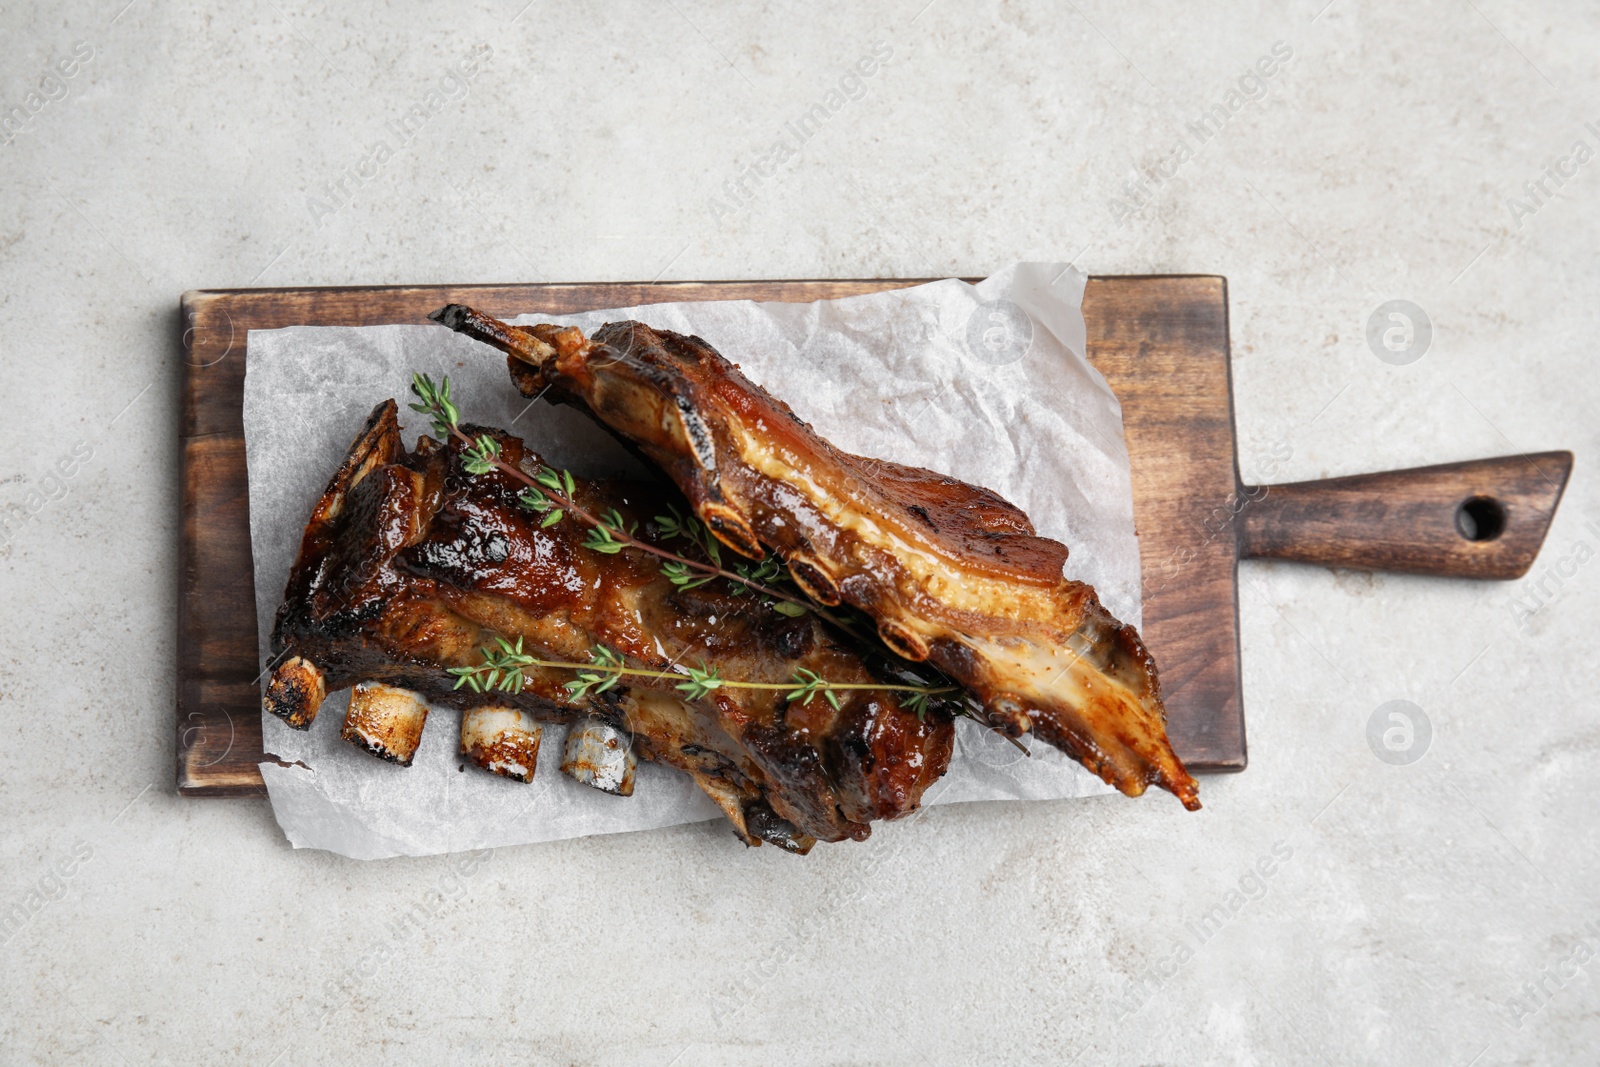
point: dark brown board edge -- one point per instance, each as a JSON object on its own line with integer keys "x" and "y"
{"x": 195, "y": 779}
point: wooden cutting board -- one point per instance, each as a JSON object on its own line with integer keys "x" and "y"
{"x": 1161, "y": 342}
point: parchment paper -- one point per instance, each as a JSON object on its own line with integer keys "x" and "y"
{"x": 987, "y": 383}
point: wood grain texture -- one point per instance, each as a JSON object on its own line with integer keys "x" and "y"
{"x": 1162, "y": 344}
{"x": 1480, "y": 519}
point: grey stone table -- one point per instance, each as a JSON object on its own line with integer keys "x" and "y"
{"x": 1327, "y": 157}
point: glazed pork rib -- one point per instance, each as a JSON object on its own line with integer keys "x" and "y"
{"x": 411, "y": 565}
{"x": 951, "y": 573}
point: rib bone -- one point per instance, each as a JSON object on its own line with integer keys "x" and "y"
{"x": 599, "y": 755}
{"x": 502, "y": 740}
{"x": 386, "y": 721}
{"x": 296, "y": 692}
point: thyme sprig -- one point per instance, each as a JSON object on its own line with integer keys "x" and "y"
{"x": 435, "y": 403}
{"x": 808, "y": 683}
{"x": 588, "y": 682}
{"x": 751, "y": 576}
{"x": 503, "y": 665}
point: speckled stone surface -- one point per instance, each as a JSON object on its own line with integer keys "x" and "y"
{"x": 1442, "y": 911}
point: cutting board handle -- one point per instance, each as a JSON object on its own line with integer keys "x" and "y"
{"x": 1485, "y": 518}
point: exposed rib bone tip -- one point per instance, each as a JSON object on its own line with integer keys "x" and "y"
{"x": 733, "y": 530}
{"x": 386, "y": 721}
{"x": 1008, "y": 714}
{"x": 599, "y": 755}
{"x": 501, "y": 740}
{"x": 903, "y": 640}
{"x": 765, "y": 824}
{"x": 815, "y": 582}
{"x": 296, "y": 692}
{"x": 450, "y": 315}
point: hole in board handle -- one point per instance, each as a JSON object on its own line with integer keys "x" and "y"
{"x": 1481, "y": 518}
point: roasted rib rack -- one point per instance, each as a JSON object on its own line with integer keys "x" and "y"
{"x": 411, "y": 566}
{"x": 950, "y": 573}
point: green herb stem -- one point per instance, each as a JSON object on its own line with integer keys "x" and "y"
{"x": 640, "y": 672}
{"x": 502, "y": 667}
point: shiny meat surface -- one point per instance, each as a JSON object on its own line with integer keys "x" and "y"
{"x": 410, "y": 566}
{"x": 951, "y": 573}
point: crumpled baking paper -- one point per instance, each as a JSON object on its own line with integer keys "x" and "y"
{"x": 985, "y": 382}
